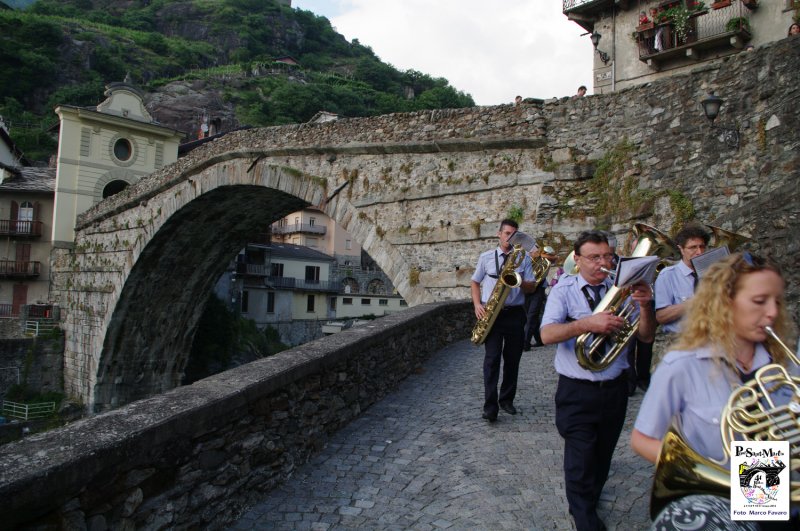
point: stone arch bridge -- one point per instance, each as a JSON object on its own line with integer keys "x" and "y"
{"x": 423, "y": 193}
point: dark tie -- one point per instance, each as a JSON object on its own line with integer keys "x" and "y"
{"x": 596, "y": 295}
{"x": 694, "y": 276}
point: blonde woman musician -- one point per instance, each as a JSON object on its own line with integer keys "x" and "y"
{"x": 722, "y": 344}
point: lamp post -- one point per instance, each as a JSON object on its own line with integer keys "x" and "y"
{"x": 595, "y": 41}
{"x": 711, "y": 107}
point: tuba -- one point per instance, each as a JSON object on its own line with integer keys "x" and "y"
{"x": 507, "y": 279}
{"x": 750, "y": 414}
{"x": 589, "y": 348}
{"x": 721, "y": 237}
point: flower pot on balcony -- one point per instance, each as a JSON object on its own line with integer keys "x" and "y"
{"x": 646, "y": 26}
{"x": 720, "y": 4}
{"x": 752, "y": 5}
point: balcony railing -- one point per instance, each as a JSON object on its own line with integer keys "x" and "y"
{"x": 10, "y": 268}
{"x": 15, "y": 227}
{"x": 590, "y": 6}
{"x": 302, "y": 284}
{"x": 707, "y": 29}
{"x": 299, "y": 227}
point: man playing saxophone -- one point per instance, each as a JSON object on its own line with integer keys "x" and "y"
{"x": 505, "y": 338}
{"x": 590, "y": 406}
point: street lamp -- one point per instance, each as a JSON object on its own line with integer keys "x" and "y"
{"x": 595, "y": 41}
{"x": 711, "y": 107}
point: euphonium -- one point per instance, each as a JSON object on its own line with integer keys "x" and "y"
{"x": 507, "y": 279}
{"x": 750, "y": 414}
{"x": 589, "y": 348}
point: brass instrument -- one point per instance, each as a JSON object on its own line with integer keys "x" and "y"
{"x": 681, "y": 471}
{"x": 722, "y": 237}
{"x": 589, "y": 348}
{"x": 750, "y": 414}
{"x": 507, "y": 279}
{"x": 570, "y": 265}
{"x": 541, "y": 266}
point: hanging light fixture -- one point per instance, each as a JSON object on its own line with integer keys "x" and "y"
{"x": 595, "y": 41}
{"x": 711, "y": 107}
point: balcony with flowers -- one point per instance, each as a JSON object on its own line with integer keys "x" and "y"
{"x": 689, "y": 28}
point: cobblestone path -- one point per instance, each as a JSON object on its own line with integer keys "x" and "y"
{"x": 424, "y": 459}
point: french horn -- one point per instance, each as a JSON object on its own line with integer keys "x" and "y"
{"x": 750, "y": 414}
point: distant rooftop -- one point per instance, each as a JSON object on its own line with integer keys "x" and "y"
{"x": 29, "y": 179}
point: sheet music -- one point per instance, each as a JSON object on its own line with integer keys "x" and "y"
{"x": 528, "y": 243}
{"x": 633, "y": 270}
{"x": 703, "y": 262}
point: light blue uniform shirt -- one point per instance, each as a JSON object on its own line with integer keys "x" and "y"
{"x": 695, "y": 387}
{"x": 674, "y": 285}
{"x": 565, "y": 303}
{"x": 487, "y": 266}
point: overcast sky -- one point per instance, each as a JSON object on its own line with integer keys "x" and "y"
{"x": 491, "y": 50}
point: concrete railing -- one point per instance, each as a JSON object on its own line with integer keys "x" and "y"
{"x": 197, "y": 456}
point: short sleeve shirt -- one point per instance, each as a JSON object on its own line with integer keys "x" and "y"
{"x": 488, "y": 269}
{"x": 674, "y": 285}
{"x": 567, "y": 302}
{"x": 694, "y": 386}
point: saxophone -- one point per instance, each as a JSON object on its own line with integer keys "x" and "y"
{"x": 507, "y": 279}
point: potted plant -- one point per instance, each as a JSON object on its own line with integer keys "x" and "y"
{"x": 679, "y": 18}
{"x": 719, "y": 4}
{"x": 738, "y": 24}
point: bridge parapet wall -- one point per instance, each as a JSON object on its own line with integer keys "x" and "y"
{"x": 195, "y": 456}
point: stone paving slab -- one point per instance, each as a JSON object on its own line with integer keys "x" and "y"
{"x": 424, "y": 459}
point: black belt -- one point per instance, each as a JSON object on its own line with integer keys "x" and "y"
{"x": 598, "y": 383}
{"x": 517, "y": 307}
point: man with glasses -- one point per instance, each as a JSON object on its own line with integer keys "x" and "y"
{"x": 676, "y": 284}
{"x": 590, "y": 406}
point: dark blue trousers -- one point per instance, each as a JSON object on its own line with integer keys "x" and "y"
{"x": 589, "y": 416}
{"x": 534, "y": 304}
{"x": 504, "y": 342}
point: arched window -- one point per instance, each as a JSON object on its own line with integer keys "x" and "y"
{"x": 350, "y": 285}
{"x": 376, "y": 287}
{"x": 114, "y": 187}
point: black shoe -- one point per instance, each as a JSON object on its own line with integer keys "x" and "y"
{"x": 538, "y": 344}
{"x": 491, "y": 417}
{"x": 509, "y": 408}
{"x": 526, "y": 348}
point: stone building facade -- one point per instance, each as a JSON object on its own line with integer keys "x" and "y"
{"x": 675, "y": 36}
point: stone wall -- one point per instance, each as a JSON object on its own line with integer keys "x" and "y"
{"x": 39, "y": 361}
{"x": 196, "y": 456}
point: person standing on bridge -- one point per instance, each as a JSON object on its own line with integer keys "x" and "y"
{"x": 590, "y": 406}
{"x": 506, "y": 336}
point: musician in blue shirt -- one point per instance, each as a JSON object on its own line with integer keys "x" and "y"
{"x": 676, "y": 283}
{"x": 722, "y": 344}
{"x": 590, "y": 406}
{"x": 505, "y": 338}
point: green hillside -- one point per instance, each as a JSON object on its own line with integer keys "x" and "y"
{"x": 66, "y": 51}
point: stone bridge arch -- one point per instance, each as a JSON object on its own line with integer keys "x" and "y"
{"x": 144, "y": 261}
{"x": 423, "y": 193}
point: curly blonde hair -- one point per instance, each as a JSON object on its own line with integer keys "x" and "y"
{"x": 709, "y": 316}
